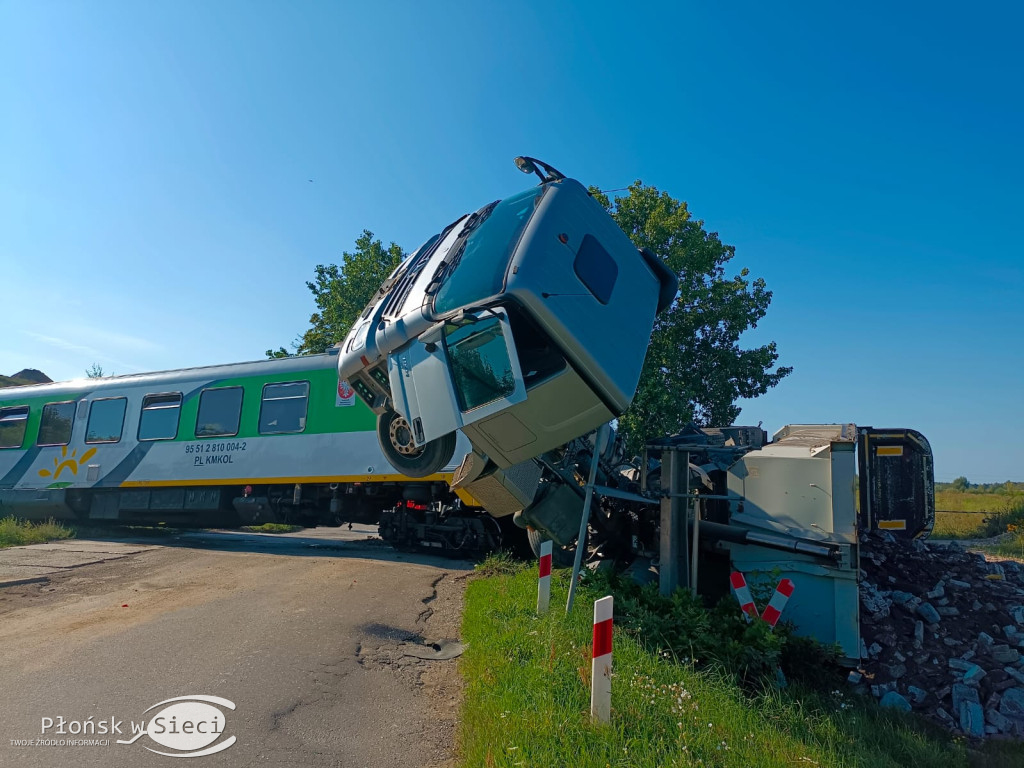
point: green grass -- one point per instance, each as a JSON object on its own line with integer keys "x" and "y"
{"x": 527, "y": 701}
{"x": 1012, "y": 546}
{"x": 16, "y": 533}
{"x": 959, "y": 525}
{"x": 272, "y": 528}
{"x": 992, "y": 503}
{"x": 968, "y": 515}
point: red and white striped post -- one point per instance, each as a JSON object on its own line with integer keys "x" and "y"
{"x": 778, "y": 602}
{"x": 544, "y": 580}
{"x": 601, "y": 665}
{"x": 739, "y": 586}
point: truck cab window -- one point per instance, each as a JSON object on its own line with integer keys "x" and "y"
{"x": 480, "y": 365}
{"x": 595, "y": 268}
{"x": 478, "y": 271}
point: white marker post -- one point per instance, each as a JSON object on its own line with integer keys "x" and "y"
{"x": 601, "y": 665}
{"x": 544, "y": 580}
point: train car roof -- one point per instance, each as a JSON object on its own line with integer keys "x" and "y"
{"x": 224, "y": 370}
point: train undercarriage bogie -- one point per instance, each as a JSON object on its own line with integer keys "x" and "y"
{"x": 445, "y": 529}
{"x": 330, "y": 504}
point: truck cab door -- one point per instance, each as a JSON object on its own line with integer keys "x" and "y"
{"x": 897, "y": 482}
{"x": 459, "y": 372}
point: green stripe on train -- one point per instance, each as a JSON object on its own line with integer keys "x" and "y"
{"x": 322, "y": 414}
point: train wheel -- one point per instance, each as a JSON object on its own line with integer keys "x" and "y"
{"x": 395, "y": 437}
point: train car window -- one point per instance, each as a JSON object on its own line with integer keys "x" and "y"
{"x": 106, "y": 420}
{"x": 159, "y": 419}
{"x": 219, "y": 412}
{"x": 284, "y": 408}
{"x": 595, "y": 268}
{"x": 13, "y": 421}
{"x": 55, "y": 425}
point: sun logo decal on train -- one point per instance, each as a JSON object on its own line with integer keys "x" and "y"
{"x": 71, "y": 463}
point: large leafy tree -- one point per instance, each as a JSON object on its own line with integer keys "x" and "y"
{"x": 341, "y": 291}
{"x": 695, "y": 368}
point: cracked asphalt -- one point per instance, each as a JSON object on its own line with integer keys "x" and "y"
{"x": 335, "y": 650}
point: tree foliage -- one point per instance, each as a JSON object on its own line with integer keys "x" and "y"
{"x": 95, "y": 371}
{"x": 341, "y": 291}
{"x": 695, "y": 368}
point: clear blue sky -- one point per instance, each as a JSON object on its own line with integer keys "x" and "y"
{"x": 156, "y": 208}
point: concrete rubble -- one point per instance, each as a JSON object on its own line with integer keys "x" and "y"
{"x": 943, "y": 635}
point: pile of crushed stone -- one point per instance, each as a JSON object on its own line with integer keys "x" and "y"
{"x": 942, "y": 634}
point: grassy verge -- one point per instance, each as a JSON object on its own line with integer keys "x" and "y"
{"x": 959, "y": 525}
{"x": 16, "y": 533}
{"x": 963, "y": 515}
{"x": 527, "y": 700}
{"x": 272, "y": 528}
{"x": 964, "y": 501}
{"x": 1012, "y": 546}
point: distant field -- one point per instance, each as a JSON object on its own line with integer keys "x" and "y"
{"x": 993, "y": 503}
{"x": 961, "y": 515}
{"x": 959, "y": 525}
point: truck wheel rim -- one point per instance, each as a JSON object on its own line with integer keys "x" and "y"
{"x": 401, "y": 437}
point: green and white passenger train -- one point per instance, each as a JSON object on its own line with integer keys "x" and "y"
{"x": 247, "y": 442}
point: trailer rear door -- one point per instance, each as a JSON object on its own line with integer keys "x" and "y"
{"x": 897, "y": 482}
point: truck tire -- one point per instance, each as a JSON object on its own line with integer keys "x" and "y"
{"x": 395, "y": 437}
{"x": 561, "y": 557}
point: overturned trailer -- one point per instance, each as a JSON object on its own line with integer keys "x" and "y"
{"x": 790, "y": 508}
{"x": 711, "y": 501}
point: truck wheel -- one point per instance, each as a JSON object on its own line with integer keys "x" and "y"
{"x": 395, "y": 437}
{"x": 561, "y": 557}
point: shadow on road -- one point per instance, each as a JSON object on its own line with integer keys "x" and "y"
{"x": 317, "y": 542}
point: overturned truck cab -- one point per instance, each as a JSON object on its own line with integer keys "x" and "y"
{"x": 524, "y": 325}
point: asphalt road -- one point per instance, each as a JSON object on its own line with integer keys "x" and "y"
{"x": 319, "y": 642}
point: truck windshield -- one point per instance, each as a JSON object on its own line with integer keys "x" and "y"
{"x": 481, "y": 266}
